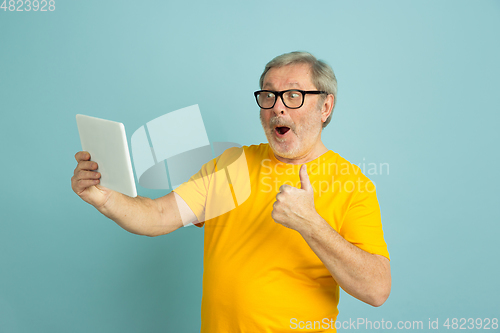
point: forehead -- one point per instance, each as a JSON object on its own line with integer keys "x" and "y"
{"x": 290, "y": 76}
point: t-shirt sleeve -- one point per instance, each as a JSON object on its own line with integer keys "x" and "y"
{"x": 362, "y": 225}
{"x": 195, "y": 191}
{"x": 212, "y": 191}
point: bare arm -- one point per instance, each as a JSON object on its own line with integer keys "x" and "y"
{"x": 363, "y": 275}
{"x": 139, "y": 215}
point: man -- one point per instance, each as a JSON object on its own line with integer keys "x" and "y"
{"x": 311, "y": 222}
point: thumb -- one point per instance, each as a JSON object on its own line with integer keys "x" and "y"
{"x": 305, "y": 183}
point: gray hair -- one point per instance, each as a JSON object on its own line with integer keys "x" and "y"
{"x": 322, "y": 74}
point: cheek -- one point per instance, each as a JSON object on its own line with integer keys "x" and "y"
{"x": 304, "y": 121}
{"x": 309, "y": 124}
{"x": 264, "y": 116}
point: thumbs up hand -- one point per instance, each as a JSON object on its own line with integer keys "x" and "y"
{"x": 294, "y": 207}
{"x": 305, "y": 183}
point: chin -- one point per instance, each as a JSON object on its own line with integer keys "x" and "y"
{"x": 284, "y": 149}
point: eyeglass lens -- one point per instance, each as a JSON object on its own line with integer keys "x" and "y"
{"x": 291, "y": 99}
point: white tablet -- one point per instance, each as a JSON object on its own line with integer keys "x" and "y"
{"x": 106, "y": 142}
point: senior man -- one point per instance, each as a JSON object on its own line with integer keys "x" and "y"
{"x": 310, "y": 225}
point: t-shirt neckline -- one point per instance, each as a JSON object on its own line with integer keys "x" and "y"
{"x": 273, "y": 158}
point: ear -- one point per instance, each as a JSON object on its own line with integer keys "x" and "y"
{"x": 327, "y": 108}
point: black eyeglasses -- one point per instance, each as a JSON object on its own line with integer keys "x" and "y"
{"x": 292, "y": 99}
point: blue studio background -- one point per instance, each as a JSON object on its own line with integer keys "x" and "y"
{"x": 418, "y": 90}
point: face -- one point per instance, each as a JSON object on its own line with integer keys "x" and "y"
{"x": 292, "y": 133}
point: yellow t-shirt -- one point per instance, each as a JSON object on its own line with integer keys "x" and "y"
{"x": 260, "y": 276}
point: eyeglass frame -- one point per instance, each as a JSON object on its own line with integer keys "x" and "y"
{"x": 280, "y": 94}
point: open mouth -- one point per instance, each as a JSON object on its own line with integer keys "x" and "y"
{"x": 282, "y": 130}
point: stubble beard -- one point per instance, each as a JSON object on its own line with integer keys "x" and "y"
{"x": 287, "y": 149}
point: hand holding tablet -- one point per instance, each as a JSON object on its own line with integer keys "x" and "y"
{"x": 85, "y": 181}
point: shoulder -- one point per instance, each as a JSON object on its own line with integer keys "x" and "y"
{"x": 260, "y": 149}
{"x": 251, "y": 153}
{"x": 348, "y": 174}
{"x": 342, "y": 165}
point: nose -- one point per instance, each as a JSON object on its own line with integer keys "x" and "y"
{"x": 279, "y": 107}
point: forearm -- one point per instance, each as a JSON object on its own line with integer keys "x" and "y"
{"x": 139, "y": 215}
{"x": 363, "y": 275}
